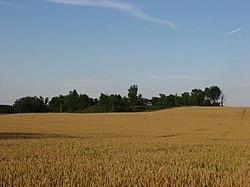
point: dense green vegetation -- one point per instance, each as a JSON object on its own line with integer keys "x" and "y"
{"x": 6, "y": 109}
{"x": 133, "y": 102}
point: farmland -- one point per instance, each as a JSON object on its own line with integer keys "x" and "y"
{"x": 188, "y": 146}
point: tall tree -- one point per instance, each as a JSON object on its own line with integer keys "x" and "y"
{"x": 56, "y": 104}
{"x": 185, "y": 99}
{"x": 84, "y": 101}
{"x": 103, "y": 103}
{"x": 197, "y": 97}
{"x": 213, "y": 94}
{"x": 71, "y": 101}
{"x": 171, "y": 100}
{"x": 132, "y": 96}
{"x": 117, "y": 103}
{"x": 31, "y": 104}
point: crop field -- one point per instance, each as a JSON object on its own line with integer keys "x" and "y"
{"x": 189, "y": 146}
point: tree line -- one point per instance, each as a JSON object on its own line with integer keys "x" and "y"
{"x": 133, "y": 102}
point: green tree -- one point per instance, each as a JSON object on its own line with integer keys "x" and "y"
{"x": 6, "y": 109}
{"x": 197, "y": 97}
{"x": 72, "y": 101}
{"x": 171, "y": 101}
{"x": 83, "y": 101}
{"x": 117, "y": 103}
{"x": 132, "y": 96}
{"x": 178, "y": 100}
{"x": 213, "y": 94}
{"x": 56, "y": 104}
{"x": 185, "y": 99}
{"x": 103, "y": 103}
{"x": 31, "y": 104}
{"x": 159, "y": 102}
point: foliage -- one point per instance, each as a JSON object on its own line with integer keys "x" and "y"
{"x": 213, "y": 95}
{"x": 134, "y": 102}
{"x": 6, "y": 109}
{"x": 31, "y": 104}
{"x": 197, "y": 97}
{"x": 133, "y": 97}
{"x": 73, "y": 102}
{"x": 56, "y": 104}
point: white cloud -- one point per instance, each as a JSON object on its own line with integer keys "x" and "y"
{"x": 118, "y": 6}
{"x": 234, "y": 31}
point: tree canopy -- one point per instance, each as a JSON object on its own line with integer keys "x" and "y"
{"x": 6, "y": 109}
{"x": 133, "y": 102}
{"x": 31, "y": 104}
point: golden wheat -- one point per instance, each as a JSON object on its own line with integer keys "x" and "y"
{"x": 191, "y": 146}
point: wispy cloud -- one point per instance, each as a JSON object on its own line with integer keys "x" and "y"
{"x": 234, "y": 31}
{"x": 118, "y": 6}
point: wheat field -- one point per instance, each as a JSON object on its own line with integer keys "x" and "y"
{"x": 188, "y": 146}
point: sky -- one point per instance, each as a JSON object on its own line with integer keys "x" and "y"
{"x": 49, "y": 47}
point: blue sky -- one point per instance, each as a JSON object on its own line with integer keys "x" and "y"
{"x": 49, "y": 47}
